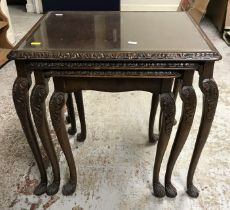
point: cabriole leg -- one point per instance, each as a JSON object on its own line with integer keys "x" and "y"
{"x": 210, "y": 97}
{"x": 38, "y": 107}
{"x": 57, "y": 102}
{"x": 167, "y": 103}
{"x": 21, "y": 102}
{"x": 71, "y": 115}
{"x": 188, "y": 97}
{"x": 153, "y": 138}
{"x": 80, "y": 107}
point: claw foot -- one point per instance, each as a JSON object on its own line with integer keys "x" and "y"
{"x": 158, "y": 190}
{"x": 170, "y": 190}
{"x": 53, "y": 188}
{"x": 69, "y": 188}
{"x": 40, "y": 189}
{"x": 192, "y": 191}
{"x": 81, "y": 137}
{"x": 72, "y": 131}
{"x": 154, "y": 139}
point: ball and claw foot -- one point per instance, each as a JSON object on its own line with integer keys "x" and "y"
{"x": 80, "y": 137}
{"x": 72, "y": 131}
{"x": 192, "y": 191}
{"x": 69, "y": 188}
{"x": 40, "y": 189}
{"x": 170, "y": 190}
{"x": 154, "y": 139}
{"x": 53, "y": 188}
{"x": 158, "y": 190}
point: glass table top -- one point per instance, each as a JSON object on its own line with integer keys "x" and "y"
{"x": 116, "y": 31}
{"x": 93, "y": 36}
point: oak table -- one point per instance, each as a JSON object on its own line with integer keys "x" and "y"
{"x": 115, "y": 51}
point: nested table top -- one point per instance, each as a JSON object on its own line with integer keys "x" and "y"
{"x": 115, "y": 36}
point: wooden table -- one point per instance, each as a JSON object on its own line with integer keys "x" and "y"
{"x": 115, "y": 51}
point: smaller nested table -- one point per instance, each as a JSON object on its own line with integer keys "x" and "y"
{"x": 115, "y": 51}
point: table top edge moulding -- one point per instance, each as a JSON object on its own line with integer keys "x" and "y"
{"x": 73, "y": 54}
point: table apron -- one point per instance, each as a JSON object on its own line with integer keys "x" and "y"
{"x": 73, "y": 84}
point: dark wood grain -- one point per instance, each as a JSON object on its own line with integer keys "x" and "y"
{"x": 188, "y": 97}
{"x": 21, "y": 101}
{"x": 210, "y": 92}
{"x": 57, "y": 102}
{"x": 38, "y": 106}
